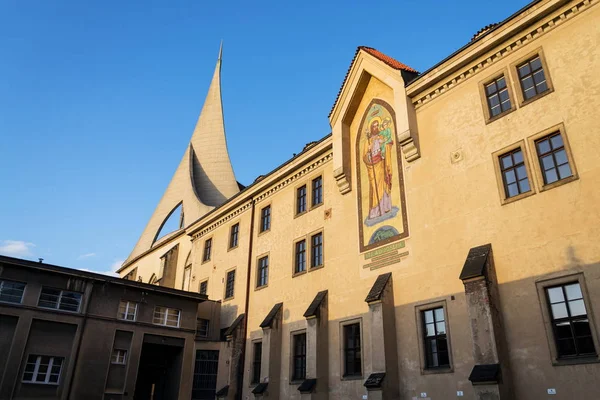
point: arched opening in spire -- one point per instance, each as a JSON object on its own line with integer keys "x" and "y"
{"x": 173, "y": 222}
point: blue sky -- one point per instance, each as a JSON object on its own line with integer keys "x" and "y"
{"x": 98, "y": 100}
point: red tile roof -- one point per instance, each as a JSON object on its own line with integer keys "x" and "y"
{"x": 378, "y": 55}
{"x": 387, "y": 59}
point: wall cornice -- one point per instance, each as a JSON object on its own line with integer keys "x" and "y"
{"x": 422, "y": 97}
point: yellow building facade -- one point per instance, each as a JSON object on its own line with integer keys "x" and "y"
{"x": 441, "y": 242}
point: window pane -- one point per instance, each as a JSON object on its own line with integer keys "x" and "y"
{"x": 70, "y": 301}
{"x": 524, "y": 70}
{"x": 585, "y": 345}
{"x": 428, "y": 316}
{"x": 557, "y": 141}
{"x": 491, "y": 88}
{"x": 582, "y": 327}
{"x": 563, "y": 330}
{"x": 561, "y": 157}
{"x": 538, "y": 77}
{"x": 501, "y": 83}
{"x": 528, "y": 84}
{"x": 576, "y": 307}
{"x": 547, "y": 162}
{"x": 559, "y": 310}
{"x": 429, "y": 330}
{"x": 439, "y": 314}
{"x": 441, "y": 328}
{"x": 503, "y": 96}
{"x": 551, "y": 176}
{"x": 564, "y": 171}
{"x": 536, "y": 63}
{"x": 566, "y": 347}
{"x": 573, "y": 291}
{"x": 543, "y": 146}
{"x": 510, "y": 176}
{"x": 521, "y": 172}
{"x": 494, "y": 100}
{"x": 506, "y": 161}
{"x": 513, "y": 190}
{"x": 524, "y": 185}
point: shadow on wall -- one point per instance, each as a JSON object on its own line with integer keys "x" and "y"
{"x": 528, "y": 334}
{"x": 206, "y": 189}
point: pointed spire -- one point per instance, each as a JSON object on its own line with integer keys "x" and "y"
{"x": 204, "y": 178}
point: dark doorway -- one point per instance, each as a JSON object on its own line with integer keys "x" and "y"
{"x": 159, "y": 372}
{"x": 205, "y": 374}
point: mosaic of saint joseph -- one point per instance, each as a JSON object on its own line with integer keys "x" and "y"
{"x": 376, "y": 156}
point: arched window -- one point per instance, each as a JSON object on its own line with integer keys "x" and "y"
{"x": 172, "y": 223}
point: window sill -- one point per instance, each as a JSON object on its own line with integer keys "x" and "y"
{"x": 576, "y": 361}
{"x": 233, "y": 247}
{"x": 316, "y": 268}
{"x": 40, "y": 383}
{"x": 518, "y": 197}
{"x": 296, "y": 381}
{"x": 536, "y": 97}
{"x": 351, "y": 377}
{"x": 499, "y": 116}
{"x": 264, "y": 232}
{"x": 316, "y": 206}
{"x": 559, "y": 183}
{"x": 299, "y": 214}
{"x": 205, "y": 261}
{"x": 261, "y": 287}
{"x": 228, "y": 299}
{"x": 295, "y": 274}
{"x": 435, "y": 371}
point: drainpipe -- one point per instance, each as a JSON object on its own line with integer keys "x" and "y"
{"x": 240, "y": 380}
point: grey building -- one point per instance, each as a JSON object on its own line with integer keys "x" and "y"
{"x": 71, "y": 334}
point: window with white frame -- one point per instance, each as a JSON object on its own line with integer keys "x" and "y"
{"x": 11, "y": 292}
{"x": 128, "y": 310}
{"x": 119, "y": 356}
{"x": 43, "y": 369}
{"x": 166, "y": 316}
{"x": 60, "y": 299}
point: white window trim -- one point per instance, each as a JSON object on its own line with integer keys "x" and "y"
{"x": 58, "y": 302}
{"x": 119, "y": 352}
{"x": 22, "y": 293}
{"x": 166, "y": 314}
{"x": 128, "y": 306}
{"x": 46, "y": 381}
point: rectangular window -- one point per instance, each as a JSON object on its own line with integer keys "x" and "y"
{"x": 59, "y": 299}
{"x": 265, "y": 219}
{"x": 498, "y": 99}
{"x": 233, "y": 236}
{"x": 256, "y": 361}
{"x": 119, "y": 357}
{"x": 127, "y": 310}
{"x": 203, "y": 287}
{"x": 317, "y": 191}
{"x": 11, "y": 292}
{"x": 207, "y": 250}
{"x": 166, "y": 316}
{"x": 532, "y": 78}
{"x": 187, "y": 274}
{"x": 570, "y": 323}
{"x": 301, "y": 199}
{"x": 202, "y": 327}
{"x": 299, "y": 357}
{"x": 262, "y": 274}
{"x": 300, "y": 257}
{"x": 514, "y": 173}
{"x": 316, "y": 250}
{"x": 436, "y": 341}
{"x": 352, "y": 353}
{"x": 43, "y": 369}
{"x": 229, "y": 285}
{"x": 552, "y": 154}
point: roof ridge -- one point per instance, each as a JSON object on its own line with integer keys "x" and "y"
{"x": 389, "y": 61}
